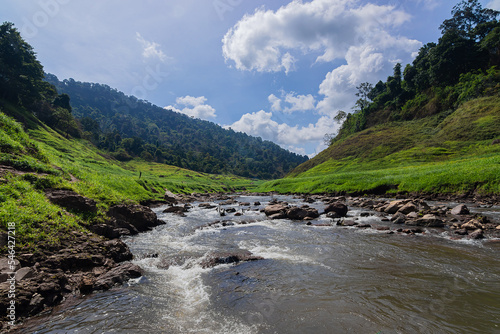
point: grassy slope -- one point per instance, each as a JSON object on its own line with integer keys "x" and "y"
{"x": 450, "y": 152}
{"x": 50, "y": 160}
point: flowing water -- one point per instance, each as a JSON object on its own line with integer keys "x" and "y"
{"x": 312, "y": 279}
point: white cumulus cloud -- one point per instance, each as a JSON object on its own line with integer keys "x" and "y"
{"x": 360, "y": 34}
{"x": 194, "y": 107}
{"x": 261, "y": 124}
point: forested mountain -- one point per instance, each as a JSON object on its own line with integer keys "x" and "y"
{"x": 425, "y": 98}
{"x": 130, "y": 127}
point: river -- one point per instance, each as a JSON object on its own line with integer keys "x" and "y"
{"x": 312, "y": 279}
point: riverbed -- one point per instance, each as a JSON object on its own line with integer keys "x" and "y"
{"x": 318, "y": 278}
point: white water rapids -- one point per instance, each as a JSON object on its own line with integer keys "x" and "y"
{"x": 312, "y": 279}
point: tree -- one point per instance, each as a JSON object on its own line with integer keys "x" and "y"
{"x": 363, "y": 93}
{"x": 63, "y": 102}
{"x": 469, "y": 19}
{"x": 21, "y": 74}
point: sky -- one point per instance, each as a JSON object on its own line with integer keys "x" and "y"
{"x": 276, "y": 69}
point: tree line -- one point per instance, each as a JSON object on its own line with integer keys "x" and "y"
{"x": 463, "y": 65}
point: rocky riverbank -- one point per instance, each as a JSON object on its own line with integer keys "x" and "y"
{"x": 84, "y": 261}
{"x": 95, "y": 259}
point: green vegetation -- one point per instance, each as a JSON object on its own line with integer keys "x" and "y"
{"x": 433, "y": 128}
{"x": 49, "y": 160}
{"x": 126, "y": 127}
{"x": 42, "y": 146}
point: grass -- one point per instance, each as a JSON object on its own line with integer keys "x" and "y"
{"x": 450, "y": 152}
{"x": 480, "y": 173}
{"x": 52, "y": 161}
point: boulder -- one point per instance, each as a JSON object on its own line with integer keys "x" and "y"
{"x": 296, "y": 213}
{"x": 461, "y": 209}
{"x": 71, "y": 200}
{"x": 476, "y": 235}
{"x": 170, "y": 197}
{"x": 117, "y": 250}
{"x": 408, "y": 208}
{"x": 472, "y": 224}
{"x": 273, "y": 209}
{"x": 140, "y": 217}
{"x": 117, "y": 275}
{"x": 338, "y": 208}
{"x": 24, "y": 273}
{"x": 429, "y": 220}
{"x": 394, "y": 206}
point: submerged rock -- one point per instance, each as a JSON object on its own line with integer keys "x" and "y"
{"x": 236, "y": 256}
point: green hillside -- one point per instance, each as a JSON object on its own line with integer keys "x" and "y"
{"x": 126, "y": 127}
{"x": 42, "y": 147}
{"x": 434, "y": 128}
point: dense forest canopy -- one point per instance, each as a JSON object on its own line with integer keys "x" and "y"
{"x": 130, "y": 127}
{"x": 463, "y": 65}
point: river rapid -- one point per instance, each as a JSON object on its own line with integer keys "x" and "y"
{"x": 312, "y": 279}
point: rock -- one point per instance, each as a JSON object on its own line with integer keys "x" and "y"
{"x": 412, "y": 215}
{"x": 230, "y": 210}
{"x": 348, "y": 223}
{"x": 176, "y": 209}
{"x": 140, "y": 217}
{"x": 462, "y": 231}
{"x": 117, "y": 250}
{"x": 87, "y": 284}
{"x": 296, "y": 213}
{"x": 476, "y": 235}
{"x": 71, "y": 200}
{"x": 430, "y": 220}
{"x": 170, "y": 197}
{"x": 206, "y": 205}
{"x": 461, "y": 209}
{"x": 237, "y": 256}
{"x": 407, "y": 208}
{"x": 394, "y": 206}
{"x": 278, "y": 215}
{"x": 8, "y": 265}
{"x": 364, "y": 226}
{"x": 117, "y": 275}
{"x": 109, "y": 231}
{"x": 339, "y": 209}
{"x": 24, "y": 273}
{"x": 398, "y": 218}
{"x": 257, "y": 203}
{"x": 472, "y": 225}
{"x": 273, "y": 209}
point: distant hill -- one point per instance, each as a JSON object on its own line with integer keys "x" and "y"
{"x": 130, "y": 127}
{"x": 434, "y": 127}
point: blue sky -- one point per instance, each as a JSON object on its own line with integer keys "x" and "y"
{"x": 276, "y": 69}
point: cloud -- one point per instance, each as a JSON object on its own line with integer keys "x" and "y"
{"x": 299, "y": 102}
{"x": 494, "y": 4}
{"x": 151, "y": 49}
{"x": 275, "y": 102}
{"x": 292, "y": 102}
{"x": 261, "y": 124}
{"x": 194, "y": 107}
{"x": 360, "y": 35}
